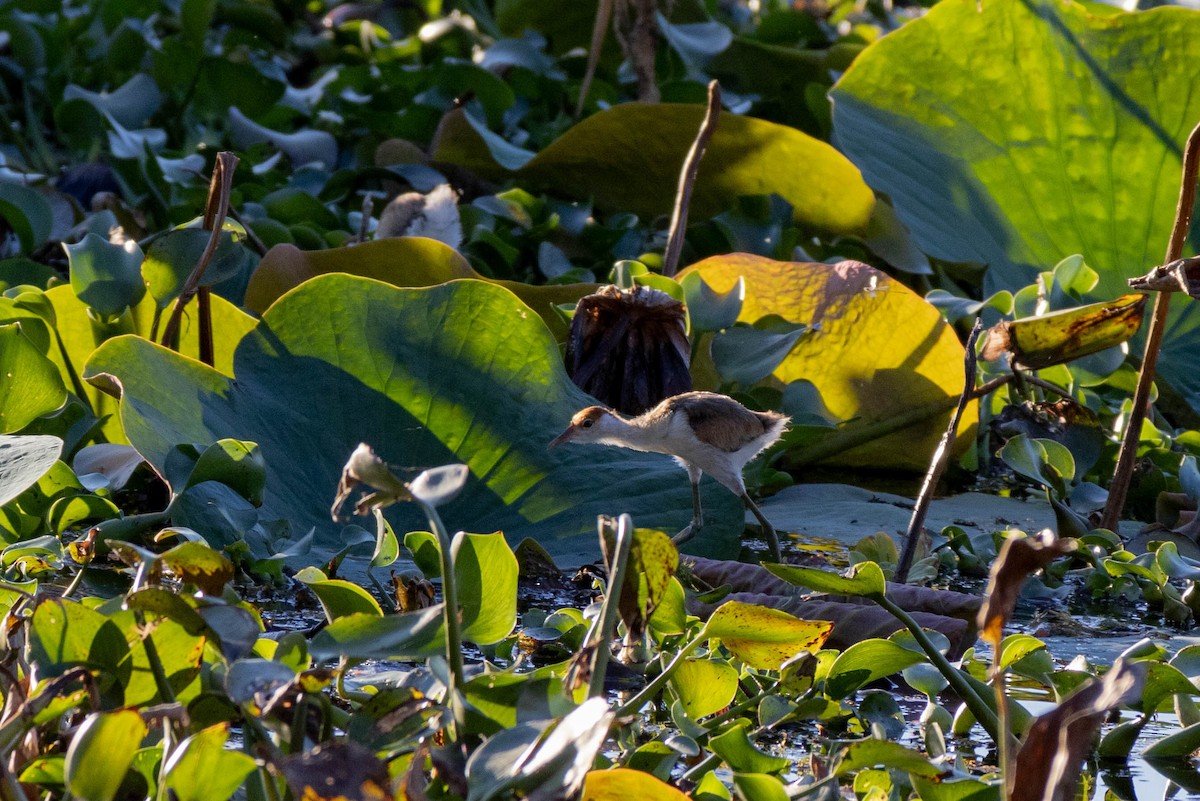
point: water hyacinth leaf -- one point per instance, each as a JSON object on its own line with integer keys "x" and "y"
{"x": 489, "y": 768}
{"x": 559, "y": 757}
{"x": 865, "y": 662}
{"x": 106, "y": 276}
{"x": 708, "y": 310}
{"x": 338, "y": 598}
{"x": 1016, "y": 647}
{"x": 69, "y": 513}
{"x": 408, "y": 635}
{"x": 106, "y": 464}
{"x": 201, "y": 768}
{"x": 387, "y": 545}
{"x": 759, "y": 787}
{"x": 130, "y": 104}
{"x": 1063, "y": 336}
{"x": 622, "y": 784}
{"x": 864, "y": 579}
{"x": 302, "y": 147}
{"x": 215, "y": 511}
{"x": 876, "y": 351}
{"x": 101, "y": 752}
{"x": 978, "y": 166}
{"x": 643, "y": 145}
{"x": 458, "y": 373}
{"x": 670, "y": 616}
{"x": 439, "y": 485}
{"x": 251, "y": 679}
{"x": 24, "y": 459}
{"x": 1176, "y": 745}
{"x": 739, "y": 753}
{"x": 236, "y": 464}
{"x": 65, "y": 634}
{"x": 1044, "y": 461}
{"x": 765, "y": 638}
{"x": 199, "y": 564}
{"x": 955, "y": 790}
{"x": 28, "y": 213}
{"x": 30, "y": 385}
{"x": 871, "y": 752}
{"x": 486, "y": 570}
{"x": 1174, "y": 564}
{"x": 748, "y": 354}
{"x": 704, "y": 686}
{"x": 464, "y": 141}
{"x": 235, "y": 628}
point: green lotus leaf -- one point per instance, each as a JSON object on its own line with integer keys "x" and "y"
{"x": 985, "y": 165}
{"x": 628, "y": 157}
{"x": 462, "y": 372}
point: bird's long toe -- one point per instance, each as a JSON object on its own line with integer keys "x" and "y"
{"x": 685, "y": 533}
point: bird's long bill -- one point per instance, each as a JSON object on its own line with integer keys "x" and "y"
{"x": 563, "y": 437}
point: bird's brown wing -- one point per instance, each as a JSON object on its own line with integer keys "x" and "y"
{"x": 719, "y": 420}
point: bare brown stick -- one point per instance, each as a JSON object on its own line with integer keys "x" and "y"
{"x": 639, "y": 41}
{"x": 1123, "y": 473}
{"x": 687, "y": 180}
{"x": 603, "y": 14}
{"x": 214, "y": 221}
{"x": 940, "y": 456}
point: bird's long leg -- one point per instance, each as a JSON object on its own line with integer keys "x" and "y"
{"x": 697, "y": 513}
{"x": 768, "y": 529}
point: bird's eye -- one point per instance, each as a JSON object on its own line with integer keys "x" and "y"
{"x": 587, "y": 423}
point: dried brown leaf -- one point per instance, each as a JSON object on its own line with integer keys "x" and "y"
{"x": 1018, "y": 558}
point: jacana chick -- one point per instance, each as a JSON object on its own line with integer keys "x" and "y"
{"x": 704, "y": 431}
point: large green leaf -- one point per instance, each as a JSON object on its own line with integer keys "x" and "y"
{"x": 627, "y": 158}
{"x": 1016, "y": 132}
{"x": 29, "y": 384}
{"x": 462, "y": 372}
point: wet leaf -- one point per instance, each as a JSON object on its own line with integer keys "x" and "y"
{"x": 1037, "y": 342}
{"x": 408, "y": 635}
{"x": 875, "y": 349}
{"x": 764, "y": 638}
{"x": 1019, "y": 557}
{"x": 338, "y": 598}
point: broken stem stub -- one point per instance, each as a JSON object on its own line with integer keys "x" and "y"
{"x": 687, "y": 180}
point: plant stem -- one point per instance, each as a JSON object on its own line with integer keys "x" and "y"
{"x": 214, "y": 221}
{"x": 450, "y": 612}
{"x": 604, "y": 10}
{"x": 1123, "y": 473}
{"x": 687, "y": 180}
{"x": 602, "y": 630}
{"x": 1005, "y": 744}
{"x": 982, "y": 712}
{"x": 940, "y": 456}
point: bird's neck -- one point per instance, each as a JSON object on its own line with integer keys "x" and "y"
{"x": 637, "y": 433}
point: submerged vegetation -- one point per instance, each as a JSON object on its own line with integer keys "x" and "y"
{"x": 254, "y": 248}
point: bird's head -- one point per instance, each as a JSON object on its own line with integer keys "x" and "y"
{"x": 587, "y": 425}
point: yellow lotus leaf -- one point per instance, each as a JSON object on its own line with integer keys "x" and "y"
{"x": 762, "y": 637}
{"x": 876, "y": 350}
